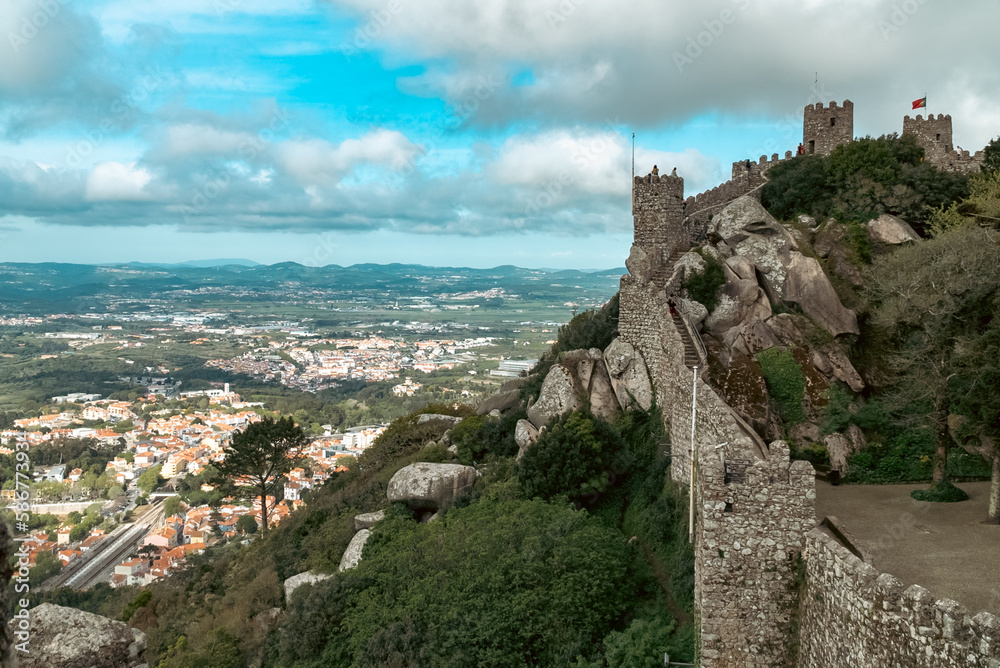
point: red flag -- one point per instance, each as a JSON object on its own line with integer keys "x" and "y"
{"x": 922, "y": 102}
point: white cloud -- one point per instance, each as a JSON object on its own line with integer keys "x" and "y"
{"x": 195, "y": 139}
{"x": 581, "y": 163}
{"x": 318, "y": 162}
{"x": 115, "y": 181}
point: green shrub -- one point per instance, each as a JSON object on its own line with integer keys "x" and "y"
{"x": 785, "y": 382}
{"x": 480, "y": 435}
{"x": 579, "y": 456}
{"x": 492, "y": 584}
{"x": 139, "y": 601}
{"x": 798, "y": 186}
{"x": 641, "y": 645}
{"x": 940, "y": 492}
{"x": 704, "y": 287}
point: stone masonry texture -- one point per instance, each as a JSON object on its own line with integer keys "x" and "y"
{"x": 771, "y": 587}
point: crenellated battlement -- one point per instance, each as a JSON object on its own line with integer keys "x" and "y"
{"x": 658, "y": 214}
{"x": 826, "y": 128}
{"x": 934, "y": 135}
{"x": 848, "y": 105}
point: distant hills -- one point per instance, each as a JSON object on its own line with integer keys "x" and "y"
{"x": 39, "y": 288}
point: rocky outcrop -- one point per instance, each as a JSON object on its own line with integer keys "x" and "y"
{"x": 640, "y": 264}
{"x": 500, "y": 401}
{"x": 424, "y": 418}
{"x": 525, "y": 435}
{"x": 558, "y": 397}
{"x": 889, "y": 229}
{"x": 426, "y": 486}
{"x": 807, "y": 286}
{"x": 368, "y": 520}
{"x": 69, "y": 638}
{"x": 296, "y": 581}
{"x": 352, "y": 555}
{"x": 629, "y": 375}
{"x": 840, "y": 449}
{"x": 743, "y": 308}
{"x": 751, "y": 232}
{"x": 842, "y": 369}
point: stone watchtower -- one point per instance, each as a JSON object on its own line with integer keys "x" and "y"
{"x": 826, "y": 128}
{"x": 932, "y": 134}
{"x": 658, "y": 214}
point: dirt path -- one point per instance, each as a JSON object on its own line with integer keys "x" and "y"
{"x": 679, "y": 613}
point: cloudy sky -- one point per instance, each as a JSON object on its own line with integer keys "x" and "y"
{"x": 440, "y": 132}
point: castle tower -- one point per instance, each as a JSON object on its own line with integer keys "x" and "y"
{"x": 658, "y": 214}
{"x": 932, "y": 134}
{"x": 826, "y": 128}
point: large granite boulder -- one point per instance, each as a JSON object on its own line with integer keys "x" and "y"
{"x": 352, "y": 555}
{"x": 525, "y": 435}
{"x": 427, "y": 486}
{"x": 296, "y": 581}
{"x": 751, "y": 232}
{"x": 640, "y": 265}
{"x": 629, "y": 375}
{"x": 558, "y": 397}
{"x": 368, "y": 520}
{"x": 70, "y": 638}
{"x": 500, "y": 401}
{"x": 743, "y": 309}
{"x": 841, "y": 367}
{"x": 603, "y": 401}
{"x": 807, "y": 286}
{"x": 424, "y": 418}
{"x": 840, "y": 449}
{"x": 889, "y": 229}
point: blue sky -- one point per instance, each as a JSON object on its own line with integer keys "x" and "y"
{"x": 441, "y": 132}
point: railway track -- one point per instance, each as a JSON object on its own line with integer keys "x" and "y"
{"x": 98, "y": 564}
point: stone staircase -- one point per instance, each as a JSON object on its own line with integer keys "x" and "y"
{"x": 691, "y": 357}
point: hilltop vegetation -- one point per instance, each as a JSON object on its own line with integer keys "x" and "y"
{"x": 575, "y": 555}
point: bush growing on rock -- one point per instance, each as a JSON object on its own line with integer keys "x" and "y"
{"x": 704, "y": 287}
{"x": 579, "y": 456}
{"x": 480, "y": 435}
{"x": 785, "y": 381}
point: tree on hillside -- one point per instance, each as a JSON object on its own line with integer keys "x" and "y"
{"x": 977, "y": 403}
{"x": 933, "y": 300}
{"x": 150, "y": 479}
{"x": 263, "y": 453}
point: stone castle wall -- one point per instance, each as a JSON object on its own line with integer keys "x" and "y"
{"x": 656, "y": 202}
{"x": 826, "y": 128}
{"x": 934, "y": 134}
{"x": 751, "y": 532}
{"x": 853, "y": 616}
{"x": 644, "y": 321}
{"x": 770, "y": 589}
{"x": 699, "y": 209}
